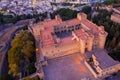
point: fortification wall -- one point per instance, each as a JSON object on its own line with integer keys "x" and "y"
{"x": 89, "y": 45}
{"x": 102, "y": 39}
{"x": 82, "y": 46}
{"x": 53, "y": 52}
{"x": 107, "y": 71}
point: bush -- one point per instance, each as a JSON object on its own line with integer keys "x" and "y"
{"x": 86, "y": 9}
{"x": 22, "y": 51}
{"x": 65, "y": 14}
{"x": 6, "y": 77}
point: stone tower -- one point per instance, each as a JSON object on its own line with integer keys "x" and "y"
{"x": 82, "y": 46}
{"x": 101, "y": 39}
{"x": 90, "y": 43}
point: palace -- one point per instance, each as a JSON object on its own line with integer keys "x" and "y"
{"x": 77, "y": 42}
{"x": 59, "y": 38}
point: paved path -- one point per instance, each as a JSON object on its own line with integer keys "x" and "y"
{"x": 7, "y": 38}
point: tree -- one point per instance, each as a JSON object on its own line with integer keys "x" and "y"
{"x": 28, "y": 49}
{"x": 111, "y": 2}
{"x": 113, "y": 29}
{"x": 118, "y": 46}
{"x": 14, "y": 61}
{"x": 1, "y": 18}
{"x": 14, "y": 55}
{"x": 14, "y": 69}
{"x": 6, "y": 77}
{"x": 27, "y": 78}
{"x": 115, "y": 54}
{"x": 30, "y": 68}
{"x": 86, "y": 9}
{"x": 22, "y": 49}
{"x": 113, "y": 42}
{"x": 65, "y": 14}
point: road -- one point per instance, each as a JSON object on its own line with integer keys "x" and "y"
{"x": 6, "y": 38}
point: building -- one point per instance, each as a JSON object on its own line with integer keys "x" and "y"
{"x": 59, "y": 38}
{"x": 102, "y": 65}
{"x": 79, "y": 37}
{"x": 106, "y": 65}
{"x": 115, "y": 17}
{"x": 116, "y": 10}
{"x": 79, "y": 1}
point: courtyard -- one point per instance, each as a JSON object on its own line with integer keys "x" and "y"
{"x": 70, "y": 67}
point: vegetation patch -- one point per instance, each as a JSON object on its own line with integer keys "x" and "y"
{"x": 5, "y": 19}
{"x": 65, "y": 14}
{"x": 86, "y": 9}
{"x": 112, "y": 2}
{"x": 21, "y": 56}
{"x": 27, "y": 78}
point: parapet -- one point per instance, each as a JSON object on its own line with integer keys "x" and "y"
{"x": 101, "y": 28}
{"x": 81, "y": 16}
{"x": 57, "y": 17}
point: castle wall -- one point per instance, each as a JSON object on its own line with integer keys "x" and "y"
{"x": 91, "y": 70}
{"x": 109, "y": 70}
{"x": 81, "y": 16}
{"x": 90, "y": 43}
{"x": 101, "y": 39}
{"x": 84, "y": 27}
{"x": 82, "y": 46}
{"x": 58, "y": 51}
{"x": 36, "y": 31}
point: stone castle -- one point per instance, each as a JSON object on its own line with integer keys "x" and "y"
{"x": 56, "y": 38}
{"x": 59, "y": 38}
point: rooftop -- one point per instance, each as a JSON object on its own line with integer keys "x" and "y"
{"x": 118, "y": 8}
{"x": 116, "y": 15}
{"x": 81, "y": 34}
{"x": 93, "y": 27}
{"x": 104, "y": 59}
{"x": 86, "y": 28}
